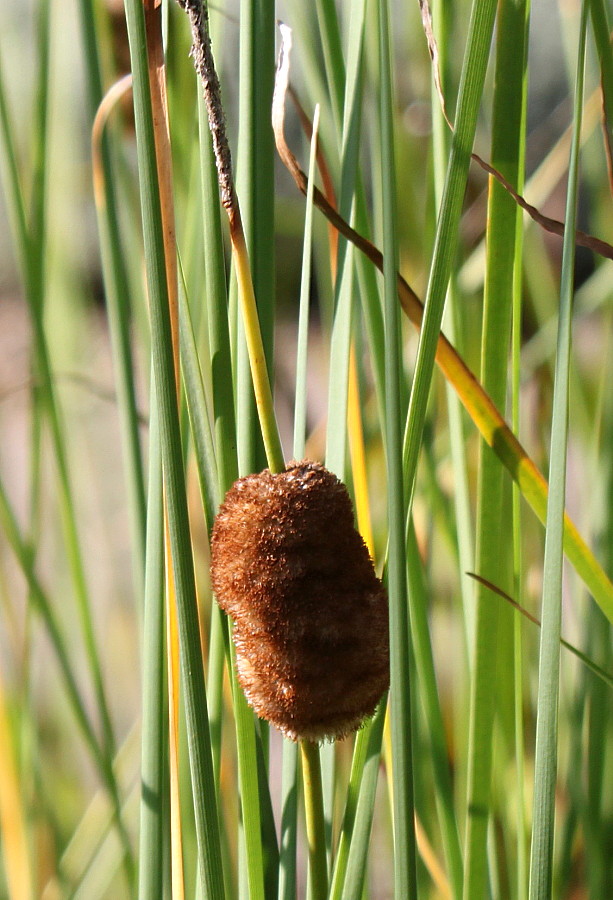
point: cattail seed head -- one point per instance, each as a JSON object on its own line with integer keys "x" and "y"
{"x": 310, "y": 615}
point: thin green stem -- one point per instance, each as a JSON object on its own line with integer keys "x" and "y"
{"x": 154, "y": 732}
{"x": 405, "y": 861}
{"x": 545, "y": 766}
{"x": 255, "y": 190}
{"x": 315, "y": 822}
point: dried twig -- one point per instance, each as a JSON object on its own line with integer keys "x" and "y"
{"x": 553, "y": 226}
{"x": 204, "y": 63}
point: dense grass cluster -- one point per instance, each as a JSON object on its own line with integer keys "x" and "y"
{"x": 158, "y": 344}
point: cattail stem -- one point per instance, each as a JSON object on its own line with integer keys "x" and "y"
{"x": 314, "y": 810}
{"x": 204, "y": 63}
{"x": 255, "y": 347}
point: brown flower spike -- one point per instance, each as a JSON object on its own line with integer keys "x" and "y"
{"x": 310, "y": 615}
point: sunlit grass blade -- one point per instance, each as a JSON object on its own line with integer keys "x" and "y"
{"x": 300, "y": 406}
{"x": 521, "y": 870}
{"x": 441, "y": 139}
{"x": 340, "y": 340}
{"x": 433, "y": 714}
{"x": 597, "y": 698}
{"x": 352, "y": 854}
{"x": 354, "y": 789}
{"x": 268, "y": 828}
{"x": 600, "y": 23}
{"x": 314, "y": 814}
{"x": 177, "y": 873}
{"x": 405, "y": 863}
{"x": 154, "y": 788}
{"x": 289, "y": 819}
{"x": 249, "y": 788}
{"x": 255, "y": 189}
{"x": 592, "y": 694}
{"x": 198, "y": 410}
{"x": 222, "y": 390}
{"x": 545, "y": 770}
{"x": 329, "y": 33}
{"x": 357, "y": 451}
{"x": 117, "y": 290}
{"x": 156, "y": 65}
{"x": 224, "y": 431}
{"x": 492, "y": 686}
{"x": 257, "y": 357}
{"x": 357, "y": 861}
{"x": 222, "y": 383}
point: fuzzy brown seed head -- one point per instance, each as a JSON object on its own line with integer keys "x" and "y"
{"x": 310, "y": 615}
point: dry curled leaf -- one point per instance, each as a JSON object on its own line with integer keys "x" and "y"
{"x": 310, "y": 615}
{"x": 553, "y": 226}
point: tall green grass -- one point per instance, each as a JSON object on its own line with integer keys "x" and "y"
{"x": 484, "y": 773}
